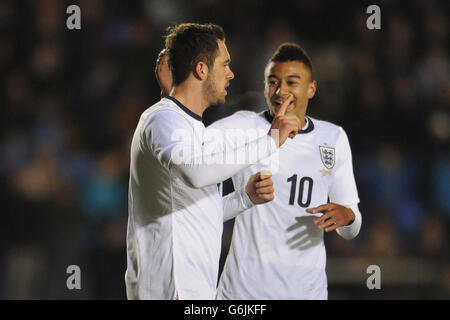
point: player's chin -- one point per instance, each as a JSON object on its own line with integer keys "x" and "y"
{"x": 218, "y": 102}
{"x": 222, "y": 99}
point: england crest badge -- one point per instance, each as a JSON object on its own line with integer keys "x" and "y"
{"x": 328, "y": 156}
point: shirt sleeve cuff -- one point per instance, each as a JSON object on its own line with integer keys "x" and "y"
{"x": 351, "y": 231}
{"x": 245, "y": 199}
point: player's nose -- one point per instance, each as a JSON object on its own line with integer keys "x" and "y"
{"x": 230, "y": 75}
{"x": 282, "y": 91}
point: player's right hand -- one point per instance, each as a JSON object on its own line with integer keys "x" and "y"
{"x": 287, "y": 126}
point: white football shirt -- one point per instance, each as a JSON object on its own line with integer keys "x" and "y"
{"x": 276, "y": 251}
{"x": 175, "y": 209}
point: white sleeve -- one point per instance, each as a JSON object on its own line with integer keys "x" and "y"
{"x": 174, "y": 142}
{"x": 343, "y": 188}
{"x": 235, "y": 203}
{"x": 351, "y": 231}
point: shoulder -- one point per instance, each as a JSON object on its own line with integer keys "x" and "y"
{"x": 240, "y": 119}
{"x": 164, "y": 113}
{"x": 164, "y": 107}
{"x": 328, "y": 129}
{"x": 322, "y": 125}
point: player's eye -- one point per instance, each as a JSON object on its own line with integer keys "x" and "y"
{"x": 272, "y": 82}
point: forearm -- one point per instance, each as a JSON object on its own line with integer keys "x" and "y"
{"x": 235, "y": 203}
{"x": 351, "y": 231}
{"x": 215, "y": 167}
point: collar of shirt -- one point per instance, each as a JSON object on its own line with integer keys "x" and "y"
{"x": 308, "y": 127}
{"x": 185, "y": 109}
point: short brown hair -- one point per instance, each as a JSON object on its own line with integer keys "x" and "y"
{"x": 189, "y": 43}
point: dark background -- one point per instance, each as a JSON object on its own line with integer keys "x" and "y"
{"x": 70, "y": 101}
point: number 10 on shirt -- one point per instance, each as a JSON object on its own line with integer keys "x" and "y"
{"x": 305, "y": 182}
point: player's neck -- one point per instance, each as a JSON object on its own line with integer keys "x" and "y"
{"x": 303, "y": 121}
{"x": 188, "y": 95}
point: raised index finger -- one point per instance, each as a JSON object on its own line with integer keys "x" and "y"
{"x": 284, "y": 105}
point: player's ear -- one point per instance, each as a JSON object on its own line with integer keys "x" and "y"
{"x": 201, "y": 70}
{"x": 312, "y": 87}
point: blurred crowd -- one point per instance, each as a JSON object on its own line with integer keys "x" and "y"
{"x": 70, "y": 101}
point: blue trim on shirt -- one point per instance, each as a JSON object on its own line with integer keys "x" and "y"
{"x": 182, "y": 107}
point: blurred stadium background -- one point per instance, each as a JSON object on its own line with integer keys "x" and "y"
{"x": 70, "y": 101}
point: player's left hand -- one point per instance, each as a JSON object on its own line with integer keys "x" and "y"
{"x": 260, "y": 187}
{"x": 163, "y": 74}
{"x": 334, "y": 216}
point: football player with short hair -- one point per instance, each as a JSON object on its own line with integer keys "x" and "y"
{"x": 277, "y": 249}
{"x": 175, "y": 210}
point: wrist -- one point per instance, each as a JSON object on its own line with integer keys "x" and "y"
{"x": 351, "y": 216}
{"x": 275, "y": 135}
{"x": 245, "y": 198}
